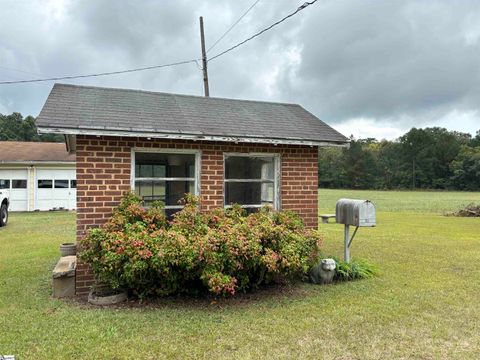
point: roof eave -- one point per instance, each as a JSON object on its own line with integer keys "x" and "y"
{"x": 70, "y": 134}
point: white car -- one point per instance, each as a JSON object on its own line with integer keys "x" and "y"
{"x": 4, "y": 202}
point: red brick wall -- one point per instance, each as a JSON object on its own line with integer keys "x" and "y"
{"x": 103, "y": 176}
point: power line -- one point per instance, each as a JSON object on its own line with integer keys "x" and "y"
{"x": 300, "y": 8}
{"x": 98, "y": 74}
{"x": 234, "y": 24}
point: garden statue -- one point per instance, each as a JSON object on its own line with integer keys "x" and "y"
{"x": 323, "y": 272}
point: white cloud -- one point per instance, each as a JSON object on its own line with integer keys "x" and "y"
{"x": 460, "y": 121}
{"x": 362, "y": 128}
{"x": 468, "y": 122}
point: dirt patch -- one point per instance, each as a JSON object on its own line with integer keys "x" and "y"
{"x": 266, "y": 294}
{"x": 471, "y": 210}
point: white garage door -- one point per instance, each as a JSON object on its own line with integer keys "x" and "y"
{"x": 56, "y": 189}
{"x": 16, "y": 182}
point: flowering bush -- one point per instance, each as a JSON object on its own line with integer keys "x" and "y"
{"x": 224, "y": 250}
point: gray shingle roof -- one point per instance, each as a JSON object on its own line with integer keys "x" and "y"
{"x": 72, "y": 109}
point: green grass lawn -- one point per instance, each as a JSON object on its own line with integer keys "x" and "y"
{"x": 440, "y": 202}
{"x": 424, "y": 304}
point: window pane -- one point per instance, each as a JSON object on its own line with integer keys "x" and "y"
{"x": 169, "y": 192}
{"x": 164, "y": 165}
{"x": 73, "y": 184}
{"x": 176, "y": 191}
{"x": 245, "y": 167}
{"x": 19, "y": 184}
{"x": 247, "y": 193}
{"x": 44, "y": 184}
{"x": 158, "y": 190}
{"x": 159, "y": 171}
{"x": 4, "y": 184}
{"x": 61, "y": 184}
{"x": 150, "y": 191}
{"x": 145, "y": 171}
{"x": 191, "y": 171}
{"x": 267, "y": 193}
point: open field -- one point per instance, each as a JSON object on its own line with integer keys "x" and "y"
{"x": 424, "y": 304}
{"x": 439, "y": 202}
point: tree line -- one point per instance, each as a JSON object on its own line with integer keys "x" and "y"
{"x": 14, "y": 127}
{"x": 430, "y": 158}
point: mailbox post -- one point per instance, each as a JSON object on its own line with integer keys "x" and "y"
{"x": 346, "y": 237}
{"x": 358, "y": 213}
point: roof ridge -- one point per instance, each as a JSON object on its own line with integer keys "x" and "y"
{"x": 174, "y": 94}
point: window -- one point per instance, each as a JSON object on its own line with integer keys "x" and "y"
{"x": 73, "y": 184}
{"x": 19, "y": 184}
{"x": 61, "y": 184}
{"x": 45, "y": 184}
{"x": 251, "y": 181}
{"x": 4, "y": 184}
{"x": 166, "y": 177}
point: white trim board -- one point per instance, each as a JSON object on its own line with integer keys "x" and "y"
{"x": 71, "y": 143}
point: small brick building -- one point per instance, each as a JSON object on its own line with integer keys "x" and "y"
{"x": 163, "y": 145}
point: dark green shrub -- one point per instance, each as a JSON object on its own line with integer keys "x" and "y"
{"x": 355, "y": 269}
{"x": 224, "y": 251}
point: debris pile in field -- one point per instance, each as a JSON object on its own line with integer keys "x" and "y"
{"x": 471, "y": 210}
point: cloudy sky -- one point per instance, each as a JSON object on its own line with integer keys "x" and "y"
{"x": 368, "y": 68}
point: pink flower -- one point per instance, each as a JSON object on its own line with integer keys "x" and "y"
{"x": 145, "y": 254}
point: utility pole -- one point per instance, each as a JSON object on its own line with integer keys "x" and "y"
{"x": 204, "y": 60}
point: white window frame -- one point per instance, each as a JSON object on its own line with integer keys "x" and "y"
{"x": 276, "y": 180}
{"x": 196, "y": 178}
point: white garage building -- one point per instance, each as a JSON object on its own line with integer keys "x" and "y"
{"x": 39, "y": 175}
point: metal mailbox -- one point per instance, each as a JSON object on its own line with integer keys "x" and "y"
{"x": 355, "y": 212}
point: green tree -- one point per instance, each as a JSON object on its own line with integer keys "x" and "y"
{"x": 360, "y": 165}
{"x": 330, "y": 168}
{"x": 466, "y": 169}
{"x": 391, "y": 167}
{"x": 14, "y": 127}
{"x": 421, "y": 158}
{"x": 476, "y": 140}
{"x": 429, "y": 152}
